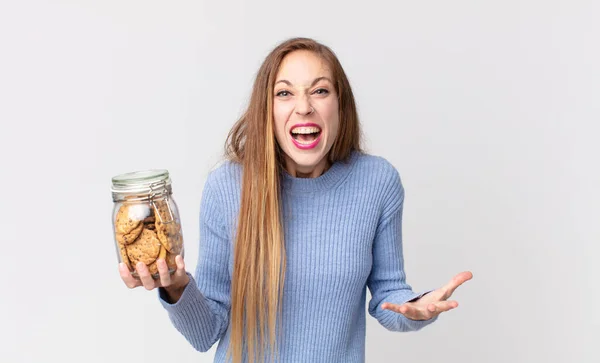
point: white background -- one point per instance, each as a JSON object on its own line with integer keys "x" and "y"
{"x": 489, "y": 110}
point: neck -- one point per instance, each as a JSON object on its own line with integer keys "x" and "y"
{"x": 299, "y": 171}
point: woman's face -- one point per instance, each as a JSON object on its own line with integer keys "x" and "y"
{"x": 305, "y": 110}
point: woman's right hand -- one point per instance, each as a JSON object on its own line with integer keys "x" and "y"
{"x": 173, "y": 284}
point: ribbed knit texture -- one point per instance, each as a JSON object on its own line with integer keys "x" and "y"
{"x": 343, "y": 234}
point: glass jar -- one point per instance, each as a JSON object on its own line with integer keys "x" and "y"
{"x": 145, "y": 220}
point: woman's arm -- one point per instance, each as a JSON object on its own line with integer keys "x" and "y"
{"x": 387, "y": 281}
{"x": 200, "y": 310}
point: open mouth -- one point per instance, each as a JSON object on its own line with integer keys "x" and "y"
{"x": 305, "y": 135}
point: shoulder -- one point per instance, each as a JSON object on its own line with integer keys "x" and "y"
{"x": 379, "y": 176}
{"x": 225, "y": 178}
{"x": 226, "y": 171}
{"x": 379, "y": 169}
{"x": 221, "y": 192}
{"x": 374, "y": 162}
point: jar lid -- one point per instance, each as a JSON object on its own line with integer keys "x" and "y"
{"x": 139, "y": 182}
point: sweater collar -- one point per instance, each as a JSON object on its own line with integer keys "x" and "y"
{"x": 329, "y": 179}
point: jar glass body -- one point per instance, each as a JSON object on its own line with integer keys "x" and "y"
{"x": 147, "y": 226}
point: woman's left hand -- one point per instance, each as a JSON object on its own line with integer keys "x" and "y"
{"x": 433, "y": 303}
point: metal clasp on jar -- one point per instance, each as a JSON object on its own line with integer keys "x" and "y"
{"x": 159, "y": 189}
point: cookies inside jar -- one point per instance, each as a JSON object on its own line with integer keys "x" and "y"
{"x": 146, "y": 232}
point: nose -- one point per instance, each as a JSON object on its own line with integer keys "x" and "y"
{"x": 303, "y": 107}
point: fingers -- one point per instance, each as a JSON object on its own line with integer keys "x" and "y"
{"x": 129, "y": 280}
{"x": 180, "y": 272}
{"x": 147, "y": 281}
{"x": 456, "y": 281}
{"x": 163, "y": 271}
{"x": 179, "y": 277}
{"x": 440, "y": 307}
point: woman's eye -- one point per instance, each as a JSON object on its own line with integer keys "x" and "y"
{"x": 321, "y": 91}
{"x": 283, "y": 93}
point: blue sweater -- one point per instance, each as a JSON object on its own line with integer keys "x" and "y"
{"x": 343, "y": 234}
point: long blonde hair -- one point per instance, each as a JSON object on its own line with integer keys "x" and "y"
{"x": 259, "y": 254}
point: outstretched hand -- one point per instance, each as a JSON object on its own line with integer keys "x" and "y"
{"x": 432, "y": 304}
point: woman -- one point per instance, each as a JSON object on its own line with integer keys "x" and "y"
{"x": 294, "y": 227}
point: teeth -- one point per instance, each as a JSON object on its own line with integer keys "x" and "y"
{"x": 305, "y": 130}
{"x": 305, "y": 142}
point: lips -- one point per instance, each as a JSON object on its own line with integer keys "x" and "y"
{"x": 306, "y": 136}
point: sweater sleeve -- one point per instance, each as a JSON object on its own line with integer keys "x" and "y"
{"x": 201, "y": 315}
{"x": 387, "y": 280}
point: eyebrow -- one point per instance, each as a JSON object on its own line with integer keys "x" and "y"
{"x": 312, "y": 84}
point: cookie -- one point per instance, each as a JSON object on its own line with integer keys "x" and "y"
{"x": 150, "y": 222}
{"x": 168, "y": 233}
{"x": 173, "y": 242}
{"x": 125, "y": 221}
{"x": 128, "y": 223}
{"x": 123, "y": 254}
{"x": 145, "y": 248}
{"x": 130, "y": 237}
{"x": 153, "y": 267}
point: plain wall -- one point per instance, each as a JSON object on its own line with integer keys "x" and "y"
{"x": 489, "y": 110}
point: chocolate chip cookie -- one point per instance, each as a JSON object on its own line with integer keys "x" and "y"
{"x": 145, "y": 248}
{"x": 168, "y": 229}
